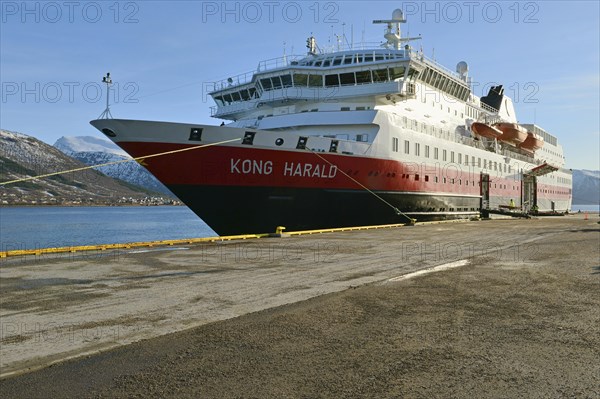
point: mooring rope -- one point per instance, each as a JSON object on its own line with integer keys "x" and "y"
{"x": 396, "y": 210}
{"x": 117, "y": 162}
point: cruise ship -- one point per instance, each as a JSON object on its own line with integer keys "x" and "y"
{"x": 351, "y": 137}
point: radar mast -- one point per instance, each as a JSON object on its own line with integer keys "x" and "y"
{"x": 395, "y": 39}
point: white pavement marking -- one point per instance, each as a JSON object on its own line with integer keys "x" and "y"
{"x": 439, "y": 268}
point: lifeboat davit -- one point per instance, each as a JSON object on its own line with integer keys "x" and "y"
{"x": 512, "y": 133}
{"x": 532, "y": 143}
{"x": 487, "y": 131}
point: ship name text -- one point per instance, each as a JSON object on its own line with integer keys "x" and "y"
{"x": 290, "y": 169}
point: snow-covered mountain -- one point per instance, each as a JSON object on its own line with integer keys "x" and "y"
{"x": 94, "y": 151}
{"x": 23, "y": 157}
{"x": 70, "y": 145}
{"x": 586, "y": 187}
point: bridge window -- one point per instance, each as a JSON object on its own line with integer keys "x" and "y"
{"x": 332, "y": 80}
{"x": 397, "y": 72}
{"x": 380, "y": 75}
{"x": 266, "y": 84}
{"x": 315, "y": 81}
{"x": 347, "y": 78}
{"x": 276, "y": 82}
{"x": 363, "y": 77}
{"x": 300, "y": 79}
{"x": 286, "y": 80}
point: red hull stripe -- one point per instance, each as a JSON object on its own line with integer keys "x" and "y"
{"x": 256, "y": 167}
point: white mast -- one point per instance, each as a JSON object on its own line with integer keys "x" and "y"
{"x": 395, "y": 39}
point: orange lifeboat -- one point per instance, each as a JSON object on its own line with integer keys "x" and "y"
{"x": 512, "y": 133}
{"x": 487, "y": 131}
{"x": 532, "y": 143}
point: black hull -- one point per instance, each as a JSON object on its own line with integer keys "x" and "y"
{"x": 250, "y": 210}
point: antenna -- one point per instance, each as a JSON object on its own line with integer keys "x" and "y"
{"x": 108, "y": 81}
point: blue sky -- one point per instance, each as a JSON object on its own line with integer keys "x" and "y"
{"x": 163, "y": 54}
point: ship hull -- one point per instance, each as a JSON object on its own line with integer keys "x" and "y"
{"x": 230, "y": 210}
{"x": 242, "y": 181}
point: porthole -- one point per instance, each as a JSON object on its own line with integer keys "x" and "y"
{"x": 279, "y": 141}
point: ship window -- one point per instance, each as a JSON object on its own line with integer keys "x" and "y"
{"x": 396, "y": 73}
{"x": 412, "y": 74}
{"x": 444, "y": 155}
{"x": 380, "y": 75}
{"x": 245, "y": 95}
{"x": 406, "y": 147}
{"x": 378, "y": 57}
{"x": 436, "y": 179}
{"x": 337, "y": 61}
{"x": 416, "y": 177}
{"x": 369, "y": 58}
{"x": 435, "y": 153}
{"x": 417, "y": 149}
{"x": 347, "y": 78}
{"x": 236, "y": 96}
{"x": 426, "y": 152}
{"x": 479, "y": 162}
{"x": 363, "y": 77}
{"x": 395, "y": 144}
{"x": 348, "y": 59}
{"x": 459, "y": 159}
{"x": 451, "y": 156}
{"x": 219, "y": 101}
{"x": 286, "y": 80}
{"x": 300, "y": 79}
{"x": 345, "y": 109}
{"x": 332, "y": 80}
{"x": 315, "y": 81}
{"x": 326, "y": 63}
{"x": 266, "y": 84}
{"x": 276, "y": 82}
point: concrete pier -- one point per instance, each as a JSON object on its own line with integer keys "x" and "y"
{"x": 499, "y": 282}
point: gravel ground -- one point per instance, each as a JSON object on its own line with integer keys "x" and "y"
{"x": 495, "y": 328}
